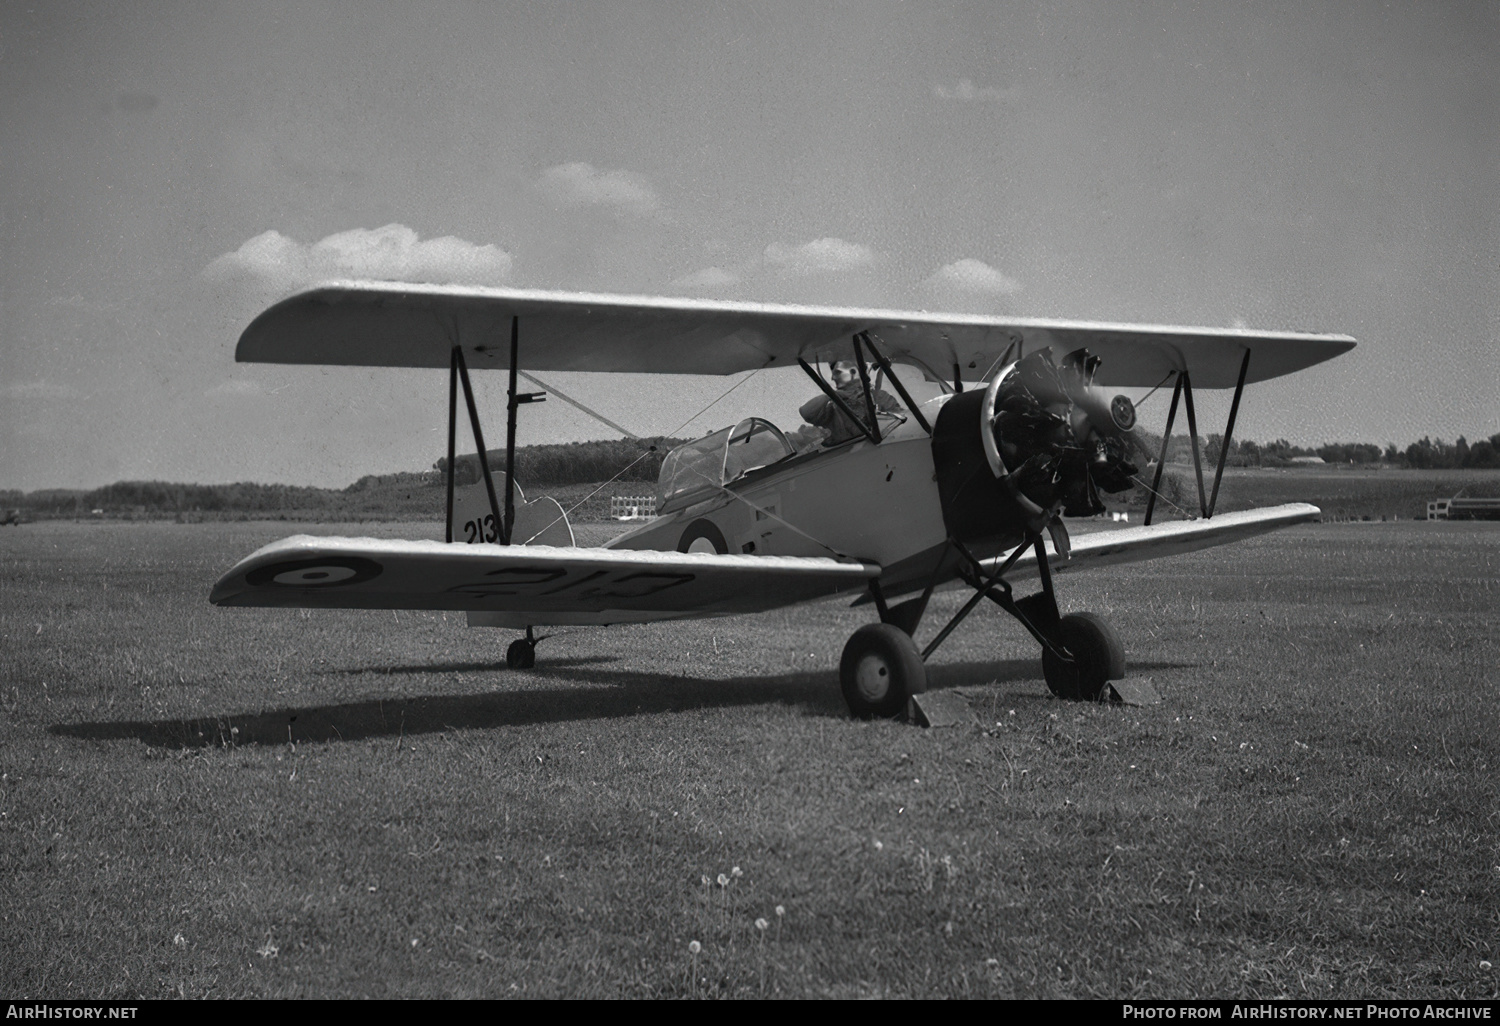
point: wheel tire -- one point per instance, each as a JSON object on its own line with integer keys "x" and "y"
{"x": 1098, "y": 657}
{"x": 879, "y": 672}
{"x": 521, "y": 655}
{"x": 704, "y": 533}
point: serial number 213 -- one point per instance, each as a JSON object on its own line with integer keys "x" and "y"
{"x": 484, "y": 530}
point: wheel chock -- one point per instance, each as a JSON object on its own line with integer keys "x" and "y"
{"x": 1135, "y": 691}
{"x": 940, "y": 709}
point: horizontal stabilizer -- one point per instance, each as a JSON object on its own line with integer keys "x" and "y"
{"x": 541, "y": 585}
{"x": 393, "y": 324}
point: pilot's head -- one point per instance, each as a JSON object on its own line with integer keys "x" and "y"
{"x": 843, "y": 371}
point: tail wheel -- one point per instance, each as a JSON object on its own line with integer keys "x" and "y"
{"x": 1097, "y": 654}
{"x": 521, "y": 655}
{"x": 880, "y": 670}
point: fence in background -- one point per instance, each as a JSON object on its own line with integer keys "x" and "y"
{"x": 632, "y": 507}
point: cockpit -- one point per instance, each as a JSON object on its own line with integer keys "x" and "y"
{"x": 700, "y": 469}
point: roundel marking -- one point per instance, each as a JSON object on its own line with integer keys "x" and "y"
{"x": 1122, "y": 411}
{"x": 703, "y": 536}
{"x": 315, "y": 575}
{"x": 327, "y": 572}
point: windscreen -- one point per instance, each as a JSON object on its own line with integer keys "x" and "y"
{"x": 754, "y": 443}
{"x": 698, "y": 470}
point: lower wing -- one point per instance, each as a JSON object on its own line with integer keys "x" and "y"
{"x": 520, "y": 585}
{"x": 1135, "y": 544}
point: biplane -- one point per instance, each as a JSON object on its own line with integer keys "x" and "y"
{"x": 968, "y": 489}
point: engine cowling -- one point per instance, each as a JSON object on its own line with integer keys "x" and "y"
{"x": 1042, "y": 440}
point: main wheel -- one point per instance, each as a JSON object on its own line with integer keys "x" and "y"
{"x": 521, "y": 655}
{"x": 880, "y": 670}
{"x": 1097, "y": 655}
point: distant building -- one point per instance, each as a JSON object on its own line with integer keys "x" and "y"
{"x": 1459, "y": 508}
{"x": 1306, "y": 459}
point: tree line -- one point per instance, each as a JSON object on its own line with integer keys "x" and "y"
{"x": 549, "y": 466}
{"x": 1427, "y": 454}
{"x": 629, "y": 459}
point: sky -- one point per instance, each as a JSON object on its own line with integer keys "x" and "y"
{"x": 168, "y": 170}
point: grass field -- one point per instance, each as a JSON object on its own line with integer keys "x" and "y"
{"x": 206, "y": 802}
{"x": 1339, "y": 491}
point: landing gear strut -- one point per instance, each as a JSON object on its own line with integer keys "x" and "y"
{"x": 882, "y": 669}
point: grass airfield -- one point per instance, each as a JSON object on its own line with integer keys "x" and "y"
{"x": 212, "y": 802}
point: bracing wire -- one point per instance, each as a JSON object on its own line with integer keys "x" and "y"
{"x": 1162, "y": 497}
{"x": 716, "y": 402}
{"x": 1149, "y": 394}
{"x": 591, "y": 494}
{"x": 643, "y": 455}
{"x": 719, "y": 485}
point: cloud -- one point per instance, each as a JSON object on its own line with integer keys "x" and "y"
{"x": 233, "y": 387}
{"x": 708, "y": 278}
{"x": 966, "y": 90}
{"x": 974, "y": 277}
{"x": 392, "y": 253}
{"x": 821, "y": 256}
{"x": 43, "y": 389}
{"x": 583, "y": 185}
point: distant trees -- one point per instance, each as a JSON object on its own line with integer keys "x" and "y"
{"x": 1428, "y": 453}
{"x": 1425, "y": 454}
{"x": 551, "y": 466}
{"x": 634, "y": 459}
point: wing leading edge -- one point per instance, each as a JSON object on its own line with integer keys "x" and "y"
{"x": 527, "y": 584}
{"x": 385, "y": 324}
{"x": 1137, "y": 544}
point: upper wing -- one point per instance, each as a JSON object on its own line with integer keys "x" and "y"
{"x": 384, "y": 324}
{"x": 1135, "y": 544}
{"x": 541, "y": 584}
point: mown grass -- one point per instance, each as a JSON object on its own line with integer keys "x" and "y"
{"x": 1340, "y": 491}
{"x": 207, "y": 802}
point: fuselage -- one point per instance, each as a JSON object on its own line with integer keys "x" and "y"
{"x": 877, "y": 503}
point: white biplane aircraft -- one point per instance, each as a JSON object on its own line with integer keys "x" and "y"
{"x": 962, "y": 489}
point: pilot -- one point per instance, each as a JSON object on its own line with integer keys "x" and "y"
{"x": 823, "y": 412}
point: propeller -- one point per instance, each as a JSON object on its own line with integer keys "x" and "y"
{"x": 1055, "y": 436}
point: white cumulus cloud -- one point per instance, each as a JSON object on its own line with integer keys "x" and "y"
{"x": 42, "y": 389}
{"x": 582, "y": 185}
{"x": 821, "y": 256}
{"x": 392, "y": 253}
{"x": 234, "y": 386}
{"x": 708, "y": 278}
{"x": 967, "y": 90}
{"x": 973, "y": 276}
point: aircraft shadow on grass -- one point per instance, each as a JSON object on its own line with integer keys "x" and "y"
{"x": 605, "y": 694}
{"x": 475, "y": 667}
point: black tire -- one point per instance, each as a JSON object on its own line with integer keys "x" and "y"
{"x": 703, "y": 530}
{"x": 879, "y": 672}
{"x": 1097, "y": 654}
{"x": 521, "y": 655}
